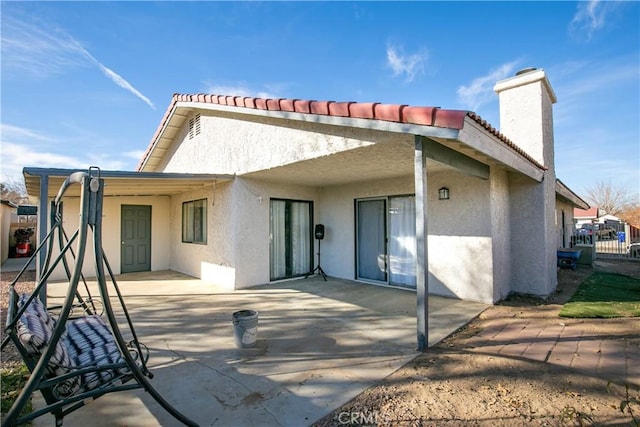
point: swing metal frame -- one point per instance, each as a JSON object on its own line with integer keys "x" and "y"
{"x": 131, "y": 371}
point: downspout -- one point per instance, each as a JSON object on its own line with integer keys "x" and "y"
{"x": 422, "y": 258}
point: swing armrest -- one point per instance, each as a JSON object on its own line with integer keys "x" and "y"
{"x": 13, "y": 306}
{"x": 12, "y": 309}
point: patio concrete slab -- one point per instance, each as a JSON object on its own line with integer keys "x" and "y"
{"x": 319, "y": 345}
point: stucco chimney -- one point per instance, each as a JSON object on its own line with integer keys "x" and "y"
{"x": 526, "y": 113}
{"x": 526, "y": 117}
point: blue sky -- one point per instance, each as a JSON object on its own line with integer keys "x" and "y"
{"x": 86, "y": 83}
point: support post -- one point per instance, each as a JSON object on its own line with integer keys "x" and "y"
{"x": 422, "y": 259}
{"x": 43, "y": 216}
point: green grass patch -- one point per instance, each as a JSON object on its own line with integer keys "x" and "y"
{"x": 605, "y": 295}
{"x": 12, "y": 380}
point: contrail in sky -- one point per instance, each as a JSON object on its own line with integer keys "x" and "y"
{"x": 115, "y": 77}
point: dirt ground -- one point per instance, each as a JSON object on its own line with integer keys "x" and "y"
{"x": 10, "y": 356}
{"x": 450, "y": 386}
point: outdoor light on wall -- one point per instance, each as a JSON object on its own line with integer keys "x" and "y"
{"x": 443, "y": 193}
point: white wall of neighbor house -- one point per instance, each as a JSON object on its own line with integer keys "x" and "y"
{"x": 111, "y": 238}
{"x": 5, "y": 226}
{"x": 230, "y": 143}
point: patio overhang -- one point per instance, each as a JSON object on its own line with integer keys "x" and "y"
{"x": 44, "y": 183}
{"x": 121, "y": 183}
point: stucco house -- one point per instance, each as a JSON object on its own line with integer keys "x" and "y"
{"x": 7, "y": 211}
{"x": 230, "y": 190}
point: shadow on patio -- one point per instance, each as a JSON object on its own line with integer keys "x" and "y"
{"x": 319, "y": 345}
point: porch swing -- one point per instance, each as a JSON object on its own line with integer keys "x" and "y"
{"x": 74, "y": 354}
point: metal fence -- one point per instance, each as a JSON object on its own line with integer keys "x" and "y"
{"x": 612, "y": 239}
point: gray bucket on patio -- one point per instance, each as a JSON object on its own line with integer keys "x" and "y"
{"x": 245, "y": 328}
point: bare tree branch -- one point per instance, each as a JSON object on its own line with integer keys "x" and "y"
{"x": 14, "y": 191}
{"x": 609, "y": 198}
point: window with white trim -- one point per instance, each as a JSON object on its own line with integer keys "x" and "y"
{"x": 194, "y": 221}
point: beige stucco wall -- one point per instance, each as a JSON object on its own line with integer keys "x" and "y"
{"x": 501, "y": 232}
{"x": 227, "y": 145}
{"x": 569, "y": 226}
{"x": 459, "y": 242}
{"x": 111, "y": 222}
{"x": 237, "y": 250}
{"x": 337, "y": 213}
{"x": 526, "y": 117}
{"x": 534, "y": 236}
{"x": 251, "y": 204}
{"x": 214, "y": 261}
{"x": 5, "y": 226}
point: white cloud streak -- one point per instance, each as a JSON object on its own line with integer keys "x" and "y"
{"x": 29, "y": 49}
{"x": 239, "y": 89}
{"x": 14, "y": 157}
{"x": 9, "y": 132}
{"x": 590, "y": 17}
{"x": 113, "y": 76}
{"x": 21, "y": 147}
{"x": 408, "y": 66}
{"x": 480, "y": 90}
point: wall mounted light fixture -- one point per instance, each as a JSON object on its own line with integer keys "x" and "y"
{"x": 443, "y": 193}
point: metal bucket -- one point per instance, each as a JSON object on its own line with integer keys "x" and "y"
{"x": 245, "y": 328}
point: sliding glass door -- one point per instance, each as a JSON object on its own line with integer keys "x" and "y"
{"x": 386, "y": 240}
{"x": 402, "y": 241}
{"x": 291, "y": 241}
{"x": 371, "y": 240}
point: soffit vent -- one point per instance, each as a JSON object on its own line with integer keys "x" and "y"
{"x": 194, "y": 126}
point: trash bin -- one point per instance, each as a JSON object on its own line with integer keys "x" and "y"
{"x": 23, "y": 249}
{"x": 621, "y": 236}
{"x": 245, "y": 328}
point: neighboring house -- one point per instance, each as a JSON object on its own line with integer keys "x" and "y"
{"x": 593, "y": 215}
{"x": 626, "y": 233}
{"x": 230, "y": 190}
{"x": 7, "y": 212}
{"x": 566, "y": 202}
{"x": 586, "y": 216}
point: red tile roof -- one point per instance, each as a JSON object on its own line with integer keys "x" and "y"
{"x": 592, "y": 212}
{"x": 400, "y": 113}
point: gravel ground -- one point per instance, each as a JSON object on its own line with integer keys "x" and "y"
{"x": 10, "y": 356}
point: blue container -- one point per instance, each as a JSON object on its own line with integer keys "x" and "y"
{"x": 621, "y": 236}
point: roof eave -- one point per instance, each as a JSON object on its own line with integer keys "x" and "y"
{"x": 479, "y": 139}
{"x": 567, "y": 194}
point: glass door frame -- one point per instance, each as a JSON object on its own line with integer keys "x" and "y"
{"x": 387, "y": 237}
